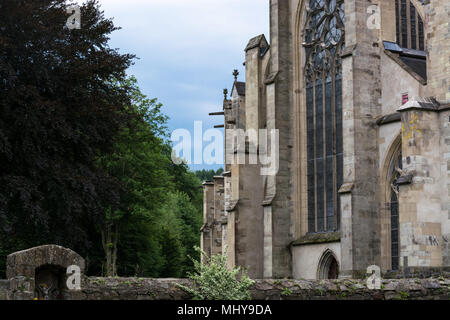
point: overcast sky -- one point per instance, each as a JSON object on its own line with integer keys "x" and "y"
{"x": 188, "y": 50}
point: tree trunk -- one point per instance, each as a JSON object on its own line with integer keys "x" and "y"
{"x": 110, "y": 235}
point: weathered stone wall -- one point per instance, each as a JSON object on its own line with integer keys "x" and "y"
{"x": 219, "y": 214}
{"x": 166, "y": 289}
{"x": 361, "y": 104}
{"x": 24, "y": 263}
{"x": 444, "y": 118}
{"x": 420, "y": 202}
{"x": 438, "y": 48}
{"x": 404, "y": 289}
{"x": 396, "y": 81}
{"x": 243, "y": 204}
{"x": 131, "y": 289}
{"x": 282, "y": 205}
{"x": 419, "y": 273}
{"x": 308, "y": 257}
{"x": 206, "y": 240}
{"x": 249, "y": 233}
{"x": 4, "y": 287}
{"x": 32, "y": 271}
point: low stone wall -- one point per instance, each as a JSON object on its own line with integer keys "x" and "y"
{"x": 4, "y": 287}
{"x": 35, "y": 270}
{"x": 418, "y": 272}
{"x": 398, "y": 289}
{"x": 166, "y": 289}
{"x": 131, "y": 289}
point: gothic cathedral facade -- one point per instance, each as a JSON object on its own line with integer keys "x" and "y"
{"x": 359, "y": 92}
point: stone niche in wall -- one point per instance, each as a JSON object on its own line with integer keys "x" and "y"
{"x": 49, "y": 283}
{"x": 40, "y": 272}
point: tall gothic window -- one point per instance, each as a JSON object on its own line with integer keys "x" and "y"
{"x": 410, "y": 31}
{"x": 324, "y": 42}
{"x": 395, "y": 168}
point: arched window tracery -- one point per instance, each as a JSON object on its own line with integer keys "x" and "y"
{"x": 323, "y": 41}
{"x": 409, "y": 26}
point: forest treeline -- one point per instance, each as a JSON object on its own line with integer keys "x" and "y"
{"x": 85, "y": 160}
{"x": 208, "y": 175}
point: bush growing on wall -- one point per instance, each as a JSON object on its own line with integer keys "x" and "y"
{"x": 213, "y": 280}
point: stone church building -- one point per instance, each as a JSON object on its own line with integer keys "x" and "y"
{"x": 359, "y": 92}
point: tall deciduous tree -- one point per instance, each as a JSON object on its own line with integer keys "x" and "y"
{"x": 139, "y": 163}
{"x": 59, "y": 109}
{"x": 84, "y": 162}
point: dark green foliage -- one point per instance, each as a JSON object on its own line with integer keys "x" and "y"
{"x": 139, "y": 252}
{"x": 59, "y": 109}
{"x": 173, "y": 253}
{"x": 83, "y": 153}
{"x": 165, "y": 198}
{"x": 181, "y": 216}
{"x": 208, "y": 175}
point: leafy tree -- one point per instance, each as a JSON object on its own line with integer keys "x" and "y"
{"x": 173, "y": 253}
{"x": 138, "y": 162}
{"x": 208, "y": 175}
{"x": 139, "y": 251}
{"x": 59, "y": 109}
{"x": 191, "y": 218}
{"x": 84, "y": 155}
{"x": 164, "y": 196}
{"x": 180, "y": 215}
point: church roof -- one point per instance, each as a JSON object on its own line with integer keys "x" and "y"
{"x": 240, "y": 87}
{"x": 416, "y": 60}
{"x": 258, "y": 41}
{"x": 430, "y": 104}
{"x": 417, "y": 64}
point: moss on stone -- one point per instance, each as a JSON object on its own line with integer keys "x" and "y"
{"x": 286, "y": 292}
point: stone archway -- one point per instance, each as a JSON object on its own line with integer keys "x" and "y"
{"x": 45, "y": 268}
{"x": 328, "y": 266}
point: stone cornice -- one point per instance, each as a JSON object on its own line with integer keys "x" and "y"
{"x": 314, "y": 238}
{"x": 271, "y": 78}
{"x": 427, "y": 104}
{"x": 348, "y": 51}
{"x": 232, "y": 205}
{"x": 389, "y": 118}
{"x": 346, "y": 188}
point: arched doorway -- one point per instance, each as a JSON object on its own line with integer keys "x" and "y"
{"x": 328, "y": 266}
